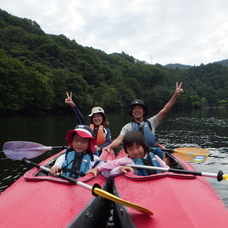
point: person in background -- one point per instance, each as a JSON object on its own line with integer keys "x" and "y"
{"x": 139, "y": 153}
{"x": 79, "y": 157}
{"x": 98, "y": 119}
{"x": 139, "y": 111}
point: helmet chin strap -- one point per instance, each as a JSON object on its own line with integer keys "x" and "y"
{"x": 139, "y": 119}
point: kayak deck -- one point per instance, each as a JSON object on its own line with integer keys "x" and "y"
{"x": 177, "y": 200}
{"x": 37, "y": 199}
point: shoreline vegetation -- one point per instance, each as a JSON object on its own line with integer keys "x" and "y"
{"x": 67, "y": 111}
{"x": 215, "y": 106}
{"x": 37, "y": 69}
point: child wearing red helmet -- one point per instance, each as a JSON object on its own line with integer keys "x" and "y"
{"x": 79, "y": 157}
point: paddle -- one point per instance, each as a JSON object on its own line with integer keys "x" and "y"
{"x": 220, "y": 176}
{"x": 190, "y": 154}
{"x": 32, "y": 149}
{"x": 96, "y": 189}
{"x": 17, "y": 151}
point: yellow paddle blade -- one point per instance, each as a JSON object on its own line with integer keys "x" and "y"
{"x": 225, "y": 176}
{"x": 192, "y": 154}
{"x": 110, "y": 196}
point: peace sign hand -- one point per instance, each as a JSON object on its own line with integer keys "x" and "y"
{"x": 69, "y": 99}
{"x": 178, "y": 90}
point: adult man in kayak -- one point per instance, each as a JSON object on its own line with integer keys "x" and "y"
{"x": 139, "y": 111}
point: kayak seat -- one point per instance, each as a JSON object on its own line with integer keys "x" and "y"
{"x": 43, "y": 173}
{"x": 172, "y": 161}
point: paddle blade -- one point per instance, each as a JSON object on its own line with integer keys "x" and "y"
{"x": 225, "y": 176}
{"x": 109, "y": 196}
{"x": 192, "y": 154}
{"x": 16, "y": 150}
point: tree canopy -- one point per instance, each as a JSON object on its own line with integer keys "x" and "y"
{"x": 36, "y": 69}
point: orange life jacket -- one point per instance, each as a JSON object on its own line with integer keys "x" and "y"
{"x": 100, "y": 138}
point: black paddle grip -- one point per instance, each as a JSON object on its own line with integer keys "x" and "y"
{"x": 95, "y": 186}
{"x": 220, "y": 175}
{"x": 26, "y": 161}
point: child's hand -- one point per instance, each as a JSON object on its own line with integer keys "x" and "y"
{"x": 94, "y": 171}
{"x": 54, "y": 170}
{"x": 125, "y": 169}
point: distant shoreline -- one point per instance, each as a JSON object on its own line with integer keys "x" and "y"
{"x": 216, "y": 106}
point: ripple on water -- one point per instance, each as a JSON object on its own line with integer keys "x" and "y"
{"x": 7, "y": 178}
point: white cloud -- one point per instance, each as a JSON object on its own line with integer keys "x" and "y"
{"x": 157, "y": 31}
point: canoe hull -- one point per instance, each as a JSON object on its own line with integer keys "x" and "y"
{"x": 176, "y": 201}
{"x": 35, "y": 201}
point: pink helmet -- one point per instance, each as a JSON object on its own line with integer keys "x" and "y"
{"x": 83, "y": 131}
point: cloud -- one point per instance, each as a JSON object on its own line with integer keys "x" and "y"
{"x": 155, "y": 31}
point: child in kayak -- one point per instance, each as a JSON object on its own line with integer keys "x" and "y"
{"x": 139, "y": 153}
{"x": 97, "y": 121}
{"x": 79, "y": 157}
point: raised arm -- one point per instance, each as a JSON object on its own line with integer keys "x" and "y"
{"x": 79, "y": 115}
{"x": 169, "y": 105}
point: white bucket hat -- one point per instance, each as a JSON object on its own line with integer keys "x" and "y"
{"x": 99, "y": 110}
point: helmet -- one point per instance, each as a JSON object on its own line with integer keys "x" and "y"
{"x": 83, "y": 131}
{"x": 139, "y": 102}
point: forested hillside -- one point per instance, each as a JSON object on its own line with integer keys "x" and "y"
{"x": 36, "y": 69}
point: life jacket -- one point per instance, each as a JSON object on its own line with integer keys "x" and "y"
{"x": 158, "y": 152}
{"x": 149, "y": 160}
{"x": 98, "y": 134}
{"x": 76, "y": 164}
{"x": 146, "y": 130}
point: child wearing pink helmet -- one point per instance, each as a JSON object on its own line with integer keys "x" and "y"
{"x": 79, "y": 157}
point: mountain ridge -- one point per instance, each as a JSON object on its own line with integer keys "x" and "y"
{"x": 184, "y": 67}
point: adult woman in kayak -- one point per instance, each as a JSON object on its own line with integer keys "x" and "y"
{"x": 98, "y": 119}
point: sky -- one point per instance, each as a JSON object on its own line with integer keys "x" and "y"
{"x": 190, "y": 32}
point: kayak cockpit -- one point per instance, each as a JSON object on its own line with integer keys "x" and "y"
{"x": 36, "y": 174}
{"x": 174, "y": 163}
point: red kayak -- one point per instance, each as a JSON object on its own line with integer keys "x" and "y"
{"x": 39, "y": 200}
{"x": 177, "y": 200}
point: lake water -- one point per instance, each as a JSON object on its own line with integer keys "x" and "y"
{"x": 205, "y": 128}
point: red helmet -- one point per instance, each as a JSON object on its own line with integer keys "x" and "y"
{"x": 83, "y": 131}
